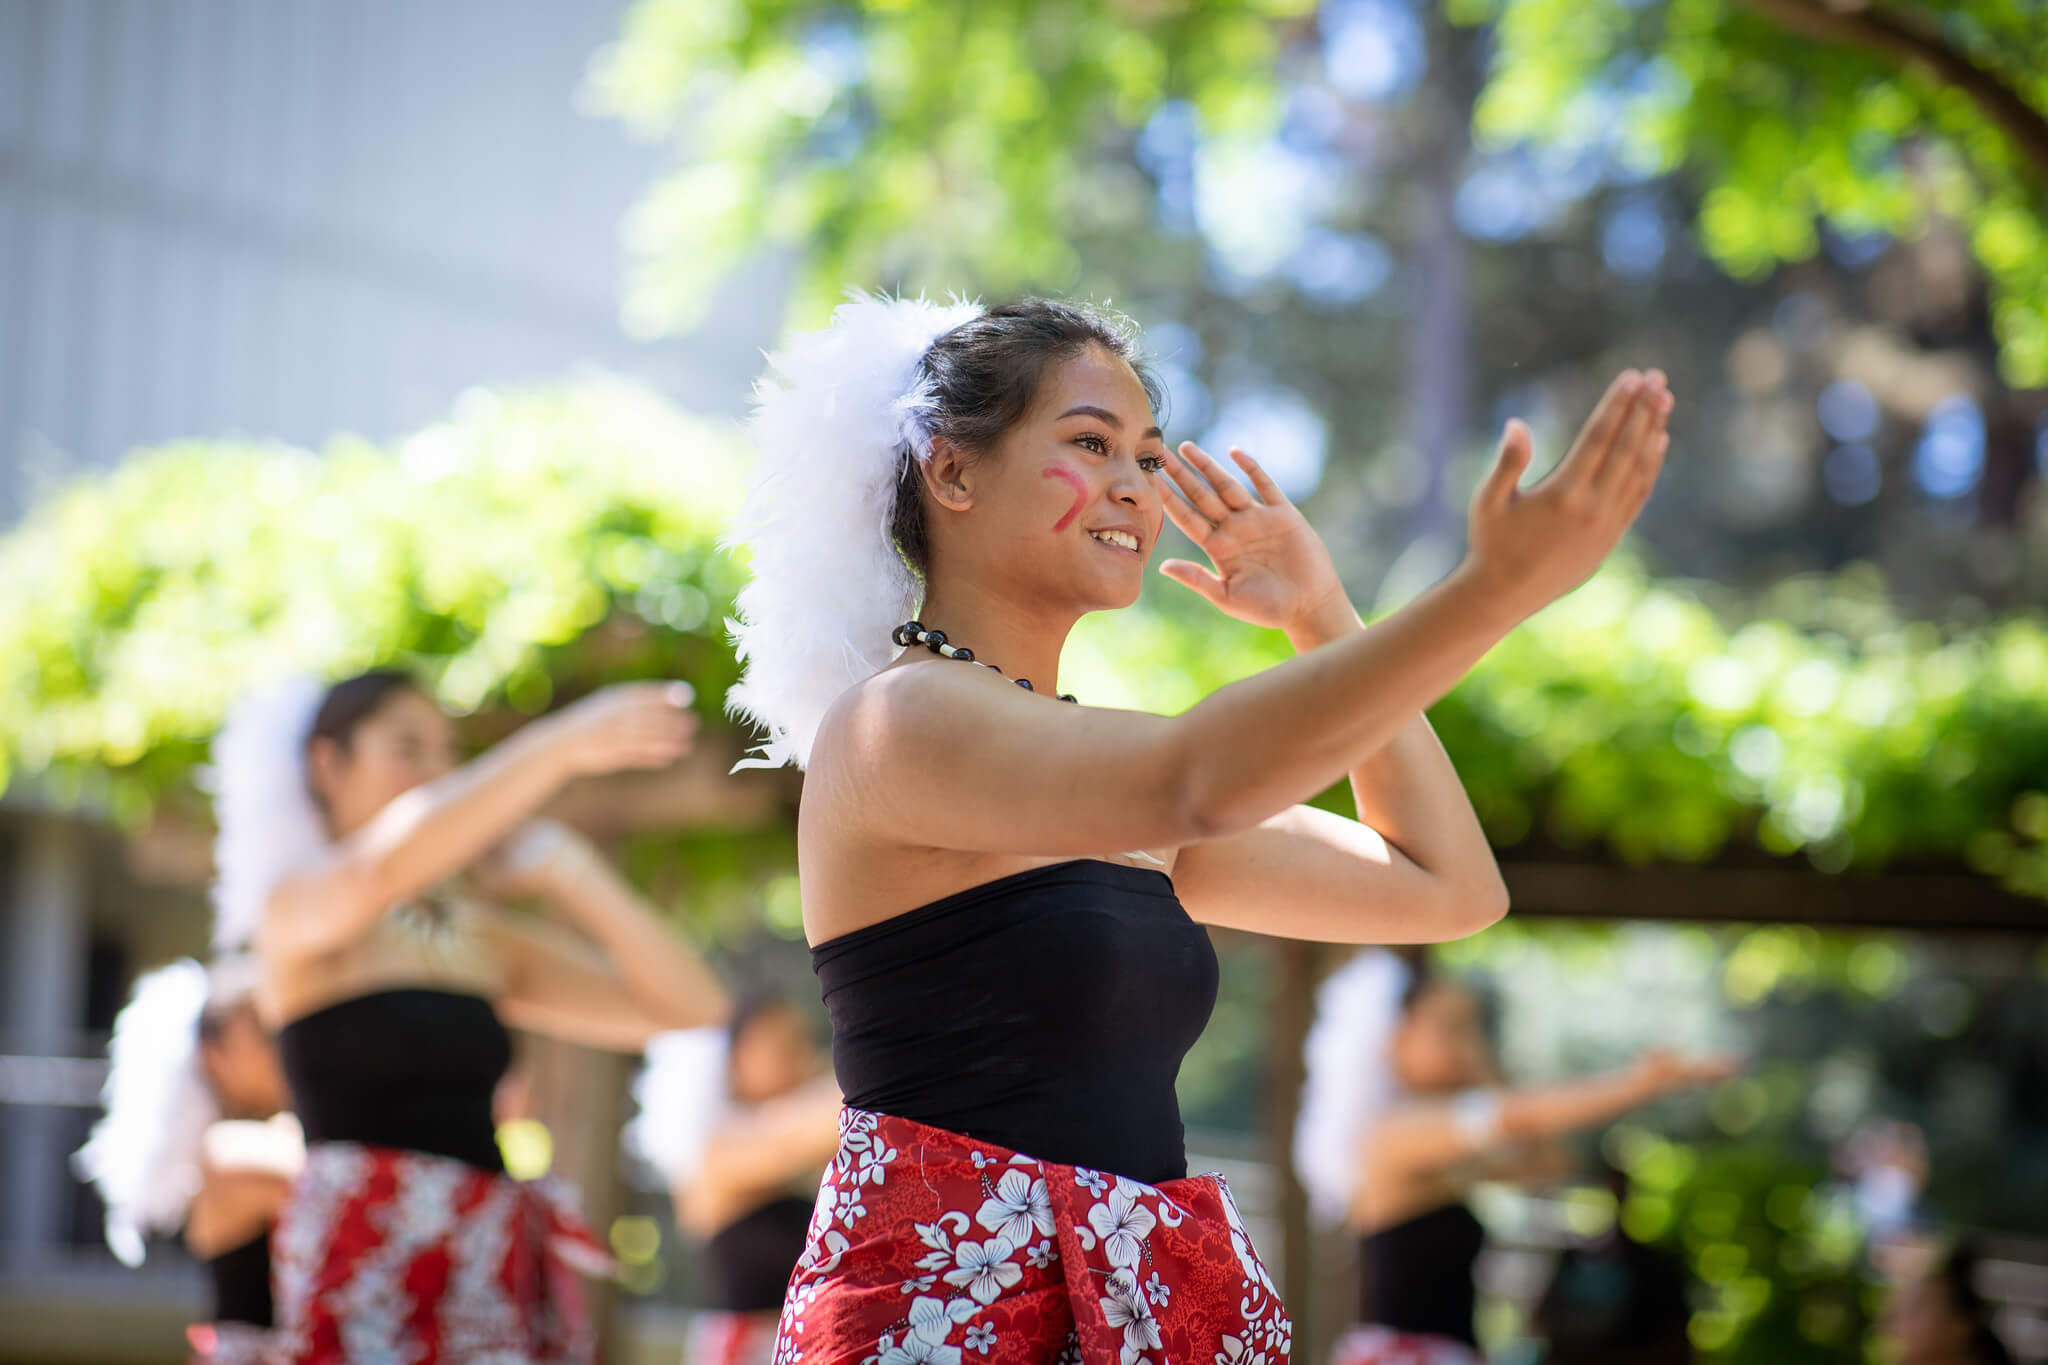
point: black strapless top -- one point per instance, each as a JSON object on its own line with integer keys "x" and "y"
{"x": 412, "y": 1068}
{"x": 1418, "y": 1274}
{"x": 241, "y": 1283}
{"x": 749, "y": 1260}
{"x": 1047, "y": 1012}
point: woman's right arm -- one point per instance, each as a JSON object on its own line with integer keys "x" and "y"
{"x": 1438, "y": 1135}
{"x": 956, "y": 758}
{"x": 435, "y": 830}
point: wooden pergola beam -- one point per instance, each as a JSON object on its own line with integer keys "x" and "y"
{"x": 1936, "y": 901}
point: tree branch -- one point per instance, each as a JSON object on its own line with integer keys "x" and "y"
{"x": 1911, "y": 42}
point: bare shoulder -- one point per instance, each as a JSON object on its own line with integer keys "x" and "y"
{"x": 895, "y": 708}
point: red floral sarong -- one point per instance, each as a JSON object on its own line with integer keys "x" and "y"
{"x": 926, "y": 1246}
{"x": 392, "y": 1255}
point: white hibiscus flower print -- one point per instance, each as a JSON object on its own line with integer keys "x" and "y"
{"x": 1041, "y": 1254}
{"x": 934, "y": 1318}
{"x": 981, "y": 1161}
{"x": 1020, "y": 1207}
{"x": 917, "y": 1350}
{"x": 1124, "y": 1307}
{"x": 917, "y": 1284}
{"x": 1123, "y": 1224}
{"x": 1157, "y": 1291}
{"x": 984, "y": 1269}
{"x": 981, "y": 1337}
{"x": 1092, "y": 1181}
{"x": 1276, "y": 1334}
{"x": 1237, "y": 1351}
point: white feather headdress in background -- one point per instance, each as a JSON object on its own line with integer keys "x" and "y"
{"x": 144, "y": 1153}
{"x": 684, "y": 1092}
{"x": 1349, "y": 1076}
{"x": 269, "y": 825}
{"x": 835, "y": 416}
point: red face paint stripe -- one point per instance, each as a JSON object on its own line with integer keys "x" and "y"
{"x": 1069, "y": 477}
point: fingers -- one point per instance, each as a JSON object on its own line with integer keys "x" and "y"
{"x": 1516, "y": 449}
{"x": 1638, "y": 431}
{"x": 1262, "y": 482}
{"x": 1588, "y": 455}
{"x": 1199, "y": 491}
{"x": 1191, "y": 575}
{"x": 1225, "y": 483}
{"x": 1192, "y": 523}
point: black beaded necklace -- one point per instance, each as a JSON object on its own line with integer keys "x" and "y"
{"x": 914, "y": 633}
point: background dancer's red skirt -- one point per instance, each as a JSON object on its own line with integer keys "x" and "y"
{"x": 392, "y": 1255}
{"x": 926, "y": 1246}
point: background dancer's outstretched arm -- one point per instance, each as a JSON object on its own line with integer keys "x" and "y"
{"x": 639, "y": 981}
{"x": 427, "y": 834}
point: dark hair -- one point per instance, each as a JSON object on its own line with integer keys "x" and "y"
{"x": 750, "y": 1004}
{"x": 347, "y": 705}
{"x": 352, "y": 701}
{"x": 1957, "y": 1272}
{"x": 984, "y": 374}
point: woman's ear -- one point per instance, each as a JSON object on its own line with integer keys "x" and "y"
{"x": 324, "y": 760}
{"x": 946, "y": 475}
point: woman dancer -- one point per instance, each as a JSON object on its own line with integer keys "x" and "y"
{"x": 344, "y": 818}
{"x": 1402, "y": 1111}
{"x": 1006, "y": 894}
{"x": 195, "y": 1137}
{"x": 732, "y": 1118}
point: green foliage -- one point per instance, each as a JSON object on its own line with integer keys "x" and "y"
{"x": 1786, "y": 131}
{"x": 1637, "y": 716}
{"x": 534, "y": 543}
{"x": 915, "y": 144}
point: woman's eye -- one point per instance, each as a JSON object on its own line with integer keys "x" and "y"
{"x": 1152, "y": 464}
{"x": 1094, "y": 443}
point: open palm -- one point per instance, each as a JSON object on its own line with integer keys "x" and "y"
{"x": 1269, "y": 567}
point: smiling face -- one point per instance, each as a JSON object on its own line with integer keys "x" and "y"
{"x": 1065, "y": 507}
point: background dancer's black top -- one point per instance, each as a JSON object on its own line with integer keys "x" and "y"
{"x": 1047, "y": 1012}
{"x": 749, "y": 1260}
{"x": 1418, "y": 1274}
{"x": 413, "y": 1069}
{"x": 241, "y": 1283}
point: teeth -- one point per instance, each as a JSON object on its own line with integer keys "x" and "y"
{"x": 1123, "y": 538}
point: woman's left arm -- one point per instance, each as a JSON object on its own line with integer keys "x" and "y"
{"x": 627, "y": 978}
{"x": 1415, "y": 866}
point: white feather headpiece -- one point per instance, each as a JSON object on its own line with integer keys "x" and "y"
{"x": 144, "y": 1153}
{"x": 269, "y": 825}
{"x": 684, "y": 1092}
{"x": 1349, "y": 1078}
{"x": 835, "y": 417}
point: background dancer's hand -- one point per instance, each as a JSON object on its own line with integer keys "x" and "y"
{"x": 531, "y": 862}
{"x": 629, "y": 725}
{"x": 1532, "y": 546}
{"x": 1660, "y": 1071}
{"x": 1271, "y": 568}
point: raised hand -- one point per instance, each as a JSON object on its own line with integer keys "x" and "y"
{"x": 627, "y": 725}
{"x": 1660, "y": 1071}
{"x": 1270, "y": 567}
{"x": 1535, "y": 545}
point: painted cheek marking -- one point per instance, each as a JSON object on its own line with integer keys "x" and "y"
{"x": 1073, "y": 480}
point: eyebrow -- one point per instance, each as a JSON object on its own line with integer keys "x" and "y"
{"x": 1090, "y": 410}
